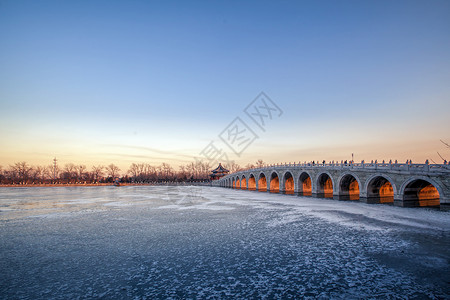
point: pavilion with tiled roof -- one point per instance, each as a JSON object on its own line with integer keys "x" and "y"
{"x": 218, "y": 172}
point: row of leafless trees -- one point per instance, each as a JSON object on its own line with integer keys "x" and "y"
{"x": 23, "y": 173}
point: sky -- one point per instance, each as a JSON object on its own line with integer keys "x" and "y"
{"x": 100, "y": 82}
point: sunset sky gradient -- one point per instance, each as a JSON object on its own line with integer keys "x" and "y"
{"x": 99, "y": 82}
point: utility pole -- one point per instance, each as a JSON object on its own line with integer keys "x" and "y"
{"x": 352, "y": 158}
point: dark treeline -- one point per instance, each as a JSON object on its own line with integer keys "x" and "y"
{"x": 23, "y": 173}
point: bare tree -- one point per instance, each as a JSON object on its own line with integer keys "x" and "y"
{"x": 97, "y": 172}
{"x": 22, "y": 169}
{"x": 69, "y": 171}
{"x": 11, "y": 174}
{"x": 150, "y": 172}
{"x": 37, "y": 173}
{"x": 206, "y": 170}
{"x": 2, "y": 174}
{"x": 166, "y": 171}
{"x": 233, "y": 167}
{"x": 260, "y": 163}
{"x": 134, "y": 170}
{"x": 191, "y": 170}
{"x": 80, "y": 171}
{"x": 183, "y": 173}
{"x": 448, "y": 146}
{"x": 113, "y": 171}
{"x": 140, "y": 172}
{"x": 51, "y": 172}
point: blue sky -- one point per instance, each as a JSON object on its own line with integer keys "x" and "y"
{"x": 152, "y": 81}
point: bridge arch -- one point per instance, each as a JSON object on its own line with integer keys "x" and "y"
{"x": 251, "y": 182}
{"x": 325, "y": 185}
{"x": 349, "y": 186}
{"x": 380, "y": 188}
{"x": 262, "y": 182}
{"x": 238, "y": 182}
{"x": 243, "y": 182}
{"x": 305, "y": 184}
{"x": 288, "y": 181}
{"x": 421, "y": 191}
{"x": 274, "y": 182}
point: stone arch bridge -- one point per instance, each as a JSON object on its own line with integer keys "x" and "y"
{"x": 408, "y": 185}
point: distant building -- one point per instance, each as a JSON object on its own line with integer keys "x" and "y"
{"x": 218, "y": 172}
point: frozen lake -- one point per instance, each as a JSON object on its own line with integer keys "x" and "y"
{"x": 201, "y": 242}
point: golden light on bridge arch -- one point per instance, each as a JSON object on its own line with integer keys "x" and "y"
{"x": 421, "y": 193}
{"x": 288, "y": 183}
{"x": 244, "y": 183}
{"x": 305, "y": 185}
{"x": 325, "y": 186}
{"x": 262, "y": 183}
{"x": 349, "y": 188}
{"x": 252, "y": 183}
{"x": 380, "y": 190}
{"x": 274, "y": 183}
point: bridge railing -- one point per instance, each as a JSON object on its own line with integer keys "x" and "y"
{"x": 362, "y": 165}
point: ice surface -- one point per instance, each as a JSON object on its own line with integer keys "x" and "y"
{"x": 202, "y": 242}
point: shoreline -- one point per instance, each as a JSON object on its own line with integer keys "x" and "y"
{"x": 92, "y": 184}
{"x": 70, "y": 184}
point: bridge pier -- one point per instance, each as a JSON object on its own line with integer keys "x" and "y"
{"x": 405, "y": 202}
{"x": 370, "y": 200}
{"x": 289, "y": 193}
{"x": 445, "y": 203}
{"x": 416, "y": 203}
{"x": 303, "y": 194}
{"x": 322, "y": 195}
{"x": 445, "y": 206}
{"x": 341, "y": 197}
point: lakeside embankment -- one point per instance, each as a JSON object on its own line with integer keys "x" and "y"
{"x": 65, "y": 184}
{"x": 100, "y": 184}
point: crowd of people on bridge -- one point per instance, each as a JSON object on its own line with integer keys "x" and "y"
{"x": 345, "y": 162}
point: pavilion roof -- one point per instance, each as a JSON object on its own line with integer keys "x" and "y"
{"x": 220, "y": 169}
